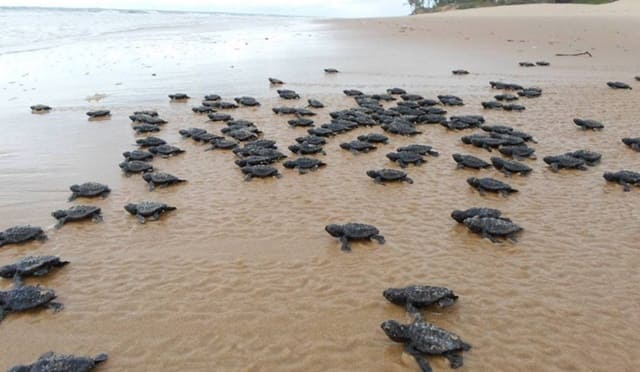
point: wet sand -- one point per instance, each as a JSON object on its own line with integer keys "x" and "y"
{"x": 243, "y": 277}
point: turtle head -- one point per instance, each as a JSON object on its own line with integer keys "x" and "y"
{"x": 372, "y": 174}
{"x": 458, "y": 215}
{"x": 74, "y": 188}
{"x": 289, "y": 164}
{"x": 392, "y": 156}
{"x": 334, "y": 230}
{"x": 457, "y": 157}
{"x": 395, "y": 331}
{"x": 59, "y": 214}
{"x": 100, "y": 358}
{"x": 131, "y": 208}
{"x": 473, "y": 181}
{"x": 8, "y": 271}
{"x": 609, "y": 176}
{"x": 20, "y": 369}
{"x": 395, "y": 295}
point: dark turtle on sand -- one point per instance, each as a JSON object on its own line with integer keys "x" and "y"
{"x": 450, "y": 100}
{"x": 470, "y": 161}
{"x": 589, "y": 157}
{"x": 530, "y": 92}
{"x": 492, "y": 105}
{"x": 419, "y": 149}
{"x": 484, "y": 185}
{"x": 633, "y": 143}
{"x": 383, "y": 97}
{"x": 150, "y": 141}
{"x": 260, "y": 171}
{"x": 518, "y": 152}
{"x": 502, "y": 129}
{"x": 509, "y": 167}
{"x": 248, "y": 148}
{"x": 493, "y": 228}
{"x": 354, "y": 231}
{"x": 198, "y": 134}
{"x": 165, "y": 150}
{"x": 374, "y": 138}
{"x": 98, "y": 114}
{"x": 212, "y": 97}
{"x": 146, "y": 112}
{"x": 618, "y": 85}
{"x": 420, "y": 338}
{"x": 404, "y": 158}
{"x": 564, "y": 162}
{"x": 203, "y": 109}
{"x": 255, "y": 160}
{"x": 135, "y": 166}
{"x": 178, "y": 96}
{"x": 247, "y": 101}
{"x": 223, "y": 144}
{"x": 274, "y": 81}
{"x": 77, "y": 213}
{"x": 624, "y": 177}
{"x": 402, "y": 128}
{"x": 505, "y": 97}
{"x": 141, "y": 117}
{"x": 313, "y": 140}
{"x": 146, "y": 128}
{"x": 28, "y": 297}
{"x": 89, "y": 190}
{"x": 513, "y": 107}
{"x": 40, "y": 108}
{"x": 460, "y": 216}
{"x": 411, "y": 97}
{"x": 304, "y": 164}
{"x": 588, "y": 124}
{"x": 288, "y": 94}
{"x": 396, "y": 91}
{"x": 31, "y": 266}
{"x": 638, "y": 78}
{"x": 51, "y": 362}
{"x": 217, "y": 116}
{"x": 352, "y": 92}
{"x": 221, "y": 105}
{"x": 527, "y": 64}
{"x": 505, "y": 86}
{"x": 137, "y": 155}
{"x": 321, "y": 132}
{"x": 306, "y": 149}
{"x": 315, "y": 103}
{"x": 300, "y": 122}
{"x": 148, "y": 210}
{"x": 460, "y": 72}
{"x": 543, "y": 63}
{"x": 416, "y": 297}
{"x": 21, "y": 234}
{"x": 388, "y": 175}
{"x": 160, "y": 178}
{"x": 242, "y": 135}
{"x": 358, "y": 146}
{"x": 331, "y": 70}
{"x": 284, "y": 110}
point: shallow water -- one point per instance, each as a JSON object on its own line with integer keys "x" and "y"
{"x": 243, "y": 276}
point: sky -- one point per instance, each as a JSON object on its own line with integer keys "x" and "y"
{"x": 323, "y": 8}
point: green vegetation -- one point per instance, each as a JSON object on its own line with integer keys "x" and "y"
{"x": 425, "y": 6}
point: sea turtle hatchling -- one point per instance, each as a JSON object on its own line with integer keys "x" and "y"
{"x": 374, "y": 138}
{"x": 624, "y": 177}
{"x": 420, "y": 338}
{"x": 404, "y": 158}
{"x": 419, "y": 149}
{"x": 146, "y": 128}
{"x": 487, "y": 184}
{"x": 31, "y": 266}
{"x": 315, "y": 103}
{"x": 179, "y": 96}
{"x": 470, "y": 161}
{"x": 618, "y": 85}
{"x": 564, "y": 162}
{"x": 222, "y": 144}
{"x": 89, "y": 190}
{"x": 354, "y": 231}
{"x": 509, "y": 167}
{"x": 52, "y": 362}
{"x": 396, "y": 91}
{"x": 259, "y": 171}
{"x": 165, "y": 151}
{"x": 135, "y": 166}
{"x": 274, "y": 81}
{"x": 98, "y": 114}
{"x": 591, "y": 158}
{"x": 633, "y": 143}
{"x": 306, "y": 149}
{"x": 313, "y": 140}
{"x": 40, "y": 108}
{"x": 416, "y": 297}
{"x": 518, "y": 152}
{"x": 148, "y": 210}
{"x": 300, "y": 122}
{"x": 460, "y": 72}
{"x": 247, "y": 101}
{"x": 331, "y": 70}
{"x": 77, "y": 213}
{"x": 588, "y": 124}
{"x": 21, "y": 234}
{"x": 358, "y": 146}
{"x": 304, "y": 164}
{"x": 382, "y": 176}
{"x": 160, "y": 178}
{"x": 461, "y": 215}
{"x": 137, "y": 155}
{"x": 150, "y": 141}
{"x": 493, "y": 228}
{"x": 288, "y": 94}
{"x": 27, "y": 297}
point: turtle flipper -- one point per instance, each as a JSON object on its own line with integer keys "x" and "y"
{"x": 446, "y": 302}
{"x": 413, "y": 311}
{"x": 378, "y": 180}
{"x": 97, "y": 218}
{"x": 420, "y": 359}
{"x": 345, "y": 244}
{"x": 73, "y": 196}
{"x": 152, "y": 186}
{"x": 18, "y": 281}
{"x": 408, "y": 180}
{"x": 490, "y": 237}
{"x": 481, "y": 191}
{"x": 248, "y": 177}
{"x": 636, "y": 147}
{"x": 379, "y": 238}
{"x": 626, "y": 187}
{"x": 554, "y": 167}
{"x": 61, "y": 222}
{"x": 55, "y": 306}
{"x": 140, "y": 218}
{"x": 156, "y": 216}
{"x": 402, "y": 164}
{"x": 302, "y": 171}
{"x": 455, "y": 360}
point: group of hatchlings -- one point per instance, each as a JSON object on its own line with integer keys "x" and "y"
{"x": 256, "y": 158}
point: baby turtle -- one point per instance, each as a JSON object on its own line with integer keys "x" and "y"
{"x": 274, "y": 81}
{"x": 331, "y": 70}
{"x": 450, "y": 100}
{"x": 633, "y": 143}
{"x": 98, "y": 114}
{"x": 358, "y": 146}
{"x": 222, "y": 144}
{"x": 288, "y": 94}
{"x": 352, "y": 92}
{"x": 150, "y": 141}
{"x": 402, "y": 128}
{"x": 493, "y": 228}
{"x": 415, "y": 297}
{"x": 388, "y": 175}
{"x": 212, "y": 97}
{"x": 492, "y": 105}
{"x": 624, "y": 177}
{"x": 404, "y": 158}
{"x": 148, "y": 210}
{"x": 374, "y": 138}
{"x": 179, "y": 96}
{"x": 590, "y": 157}
{"x": 141, "y": 117}
{"x": 203, "y": 109}
{"x": 304, "y": 164}
{"x": 221, "y": 105}
{"x": 411, "y": 97}
{"x": 460, "y": 216}
{"x": 419, "y": 149}
{"x": 470, "y": 161}
{"x": 460, "y": 72}
{"x": 518, "y": 152}
{"x": 484, "y": 185}
{"x": 21, "y": 234}
{"x": 564, "y": 162}
{"x": 588, "y": 124}
{"x": 146, "y": 128}
{"x": 527, "y": 64}
{"x": 543, "y": 63}
{"x": 160, "y": 178}
{"x": 315, "y": 103}
{"x": 135, "y": 166}
{"x": 255, "y": 160}
{"x": 40, "y": 108}
{"x": 422, "y": 338}
{"x": 354, "y": 231}
{"x": 300, "y": 122}
{"x": 530, "y": 92}
{"x": 505, "y": 86}
{"x": 260, "y": 171}
{"x": 165, "y": 150}
{"x": 618, "y": 85}
{"x": 313, "y": 140}
{"x": 31, "y": 266}
{"x": 217, "y": 116}
{"x": 513, "y": 107}
{"x": 306, "y": 149}
{"x": 77, "y": 213}
{"x": 396, "y": 91}
{"x": 247, "y": 101}
{"x": 505, "y": 97}
{"x": 137, "y": 155}
{"x": 509, "y": 167}
{"x": 23, "y": 298}
{"x": 89, "y": 190}
{"x": 52, "y": 362}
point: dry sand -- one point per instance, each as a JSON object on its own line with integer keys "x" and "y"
{"x": 242, "y": 277}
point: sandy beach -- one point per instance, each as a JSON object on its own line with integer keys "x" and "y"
{"x": 243, "y": 277}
